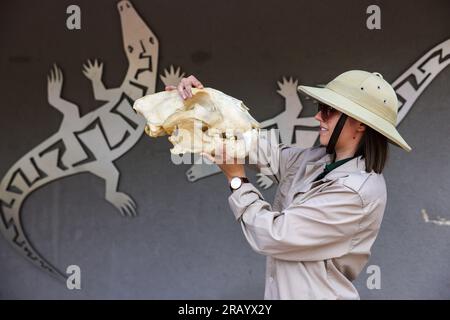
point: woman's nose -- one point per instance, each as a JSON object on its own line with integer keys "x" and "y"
{"x": 318, "y": 117}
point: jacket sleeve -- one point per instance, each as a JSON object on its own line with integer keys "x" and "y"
{"x": 267, "y": 155}
{"x": 319, "y": 228}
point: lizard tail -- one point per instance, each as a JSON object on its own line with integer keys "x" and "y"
{"x": 26, "y": 175}
{"x": 410, "y": 85}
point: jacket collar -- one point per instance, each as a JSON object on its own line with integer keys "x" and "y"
{"x": 314, "y": 168}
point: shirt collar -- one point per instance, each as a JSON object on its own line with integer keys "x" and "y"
{"x": 354, "y": 165}
{"x": 333, "y": 165}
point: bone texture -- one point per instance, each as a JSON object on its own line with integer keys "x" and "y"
{"x": 206, "y": 122}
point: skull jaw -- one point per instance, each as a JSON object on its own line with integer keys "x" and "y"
{"x": 193, "y": 138}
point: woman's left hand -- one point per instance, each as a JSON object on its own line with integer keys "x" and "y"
{"x": 229, "y": 167}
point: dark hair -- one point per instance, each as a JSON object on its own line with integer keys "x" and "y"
{"x": 374, "y": 149}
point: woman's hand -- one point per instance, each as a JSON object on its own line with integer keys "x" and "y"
{"x": 229, "y": 166}
{"x": 185, "y": 86}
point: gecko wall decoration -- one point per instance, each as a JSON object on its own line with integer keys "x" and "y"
{"x": 89, "y": 143}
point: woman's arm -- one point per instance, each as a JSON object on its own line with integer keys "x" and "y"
{"x": 321, "y": 227}
{"x": 267, "y": 155}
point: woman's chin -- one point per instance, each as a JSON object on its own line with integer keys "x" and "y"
{"x": 323, "y": 142}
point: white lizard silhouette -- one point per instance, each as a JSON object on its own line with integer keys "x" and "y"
{"x": 89, "y": 143}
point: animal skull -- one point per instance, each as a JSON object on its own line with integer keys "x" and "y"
{"x": 206, "y": 122}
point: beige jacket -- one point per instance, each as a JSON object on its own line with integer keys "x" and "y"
{"x": 317, "y": 235}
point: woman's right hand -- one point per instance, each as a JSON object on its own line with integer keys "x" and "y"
{"x": 185, "y": 86}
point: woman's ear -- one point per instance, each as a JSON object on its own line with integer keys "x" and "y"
{"x": 361, "y": 127}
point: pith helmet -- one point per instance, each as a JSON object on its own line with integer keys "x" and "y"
{"x": 366, "y": 97}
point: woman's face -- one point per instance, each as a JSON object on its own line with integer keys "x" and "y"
{"x": 351, "y": 132}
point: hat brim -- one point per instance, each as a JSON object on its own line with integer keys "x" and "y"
{"x": 357, "y": 112}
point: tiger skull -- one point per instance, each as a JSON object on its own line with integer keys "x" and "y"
{"x": 206, "y": 122}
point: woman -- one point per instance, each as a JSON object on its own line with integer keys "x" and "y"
{"x": 330, "y": 198}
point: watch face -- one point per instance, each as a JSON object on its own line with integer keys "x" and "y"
{"x": 235, "y": 183}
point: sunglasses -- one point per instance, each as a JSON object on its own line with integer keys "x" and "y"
{"x": 325, "y": 110}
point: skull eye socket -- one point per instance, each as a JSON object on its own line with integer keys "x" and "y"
{"x": 151, "y": 40}
{"x": 130, "y": 49}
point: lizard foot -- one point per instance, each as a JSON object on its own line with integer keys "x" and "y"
{"x": 124, "y": 204}
{"x": 264, "y": 181}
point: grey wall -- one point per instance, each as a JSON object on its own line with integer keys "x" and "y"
{"x": 185, "y": 242}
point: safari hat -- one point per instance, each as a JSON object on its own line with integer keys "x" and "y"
{"x": 364, "y": 96}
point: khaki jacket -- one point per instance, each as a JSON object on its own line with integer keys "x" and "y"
{"x": 317, "y": 235}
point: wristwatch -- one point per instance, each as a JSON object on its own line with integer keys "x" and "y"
{"x": 236, "y": 182}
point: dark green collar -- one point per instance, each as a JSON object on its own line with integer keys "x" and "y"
{"x": 329, "y": 167}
